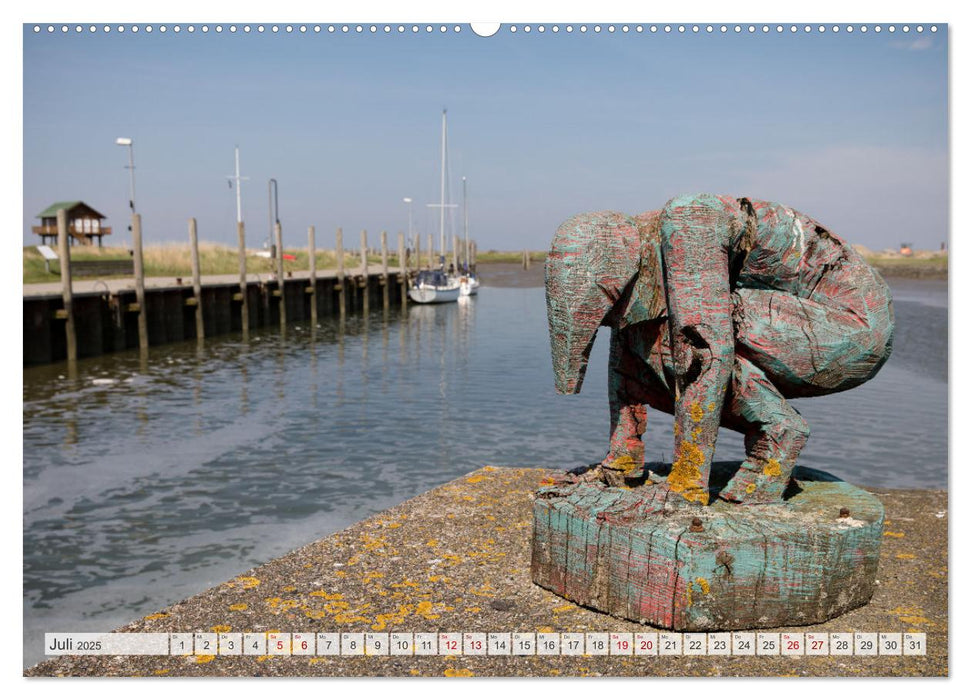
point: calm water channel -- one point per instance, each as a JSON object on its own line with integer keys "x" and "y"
{"x": 146, "y": 480}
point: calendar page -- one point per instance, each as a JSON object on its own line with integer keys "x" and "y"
{"x": 289, "y": 299}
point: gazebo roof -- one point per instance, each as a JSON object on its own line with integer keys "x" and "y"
{"x": 51, "y": 211}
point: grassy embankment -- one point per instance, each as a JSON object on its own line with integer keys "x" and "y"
{"x": 931, "y": 266}
{"x": 174, "y": 261}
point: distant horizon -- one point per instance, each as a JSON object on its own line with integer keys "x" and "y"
{"x": 850, "y": 128}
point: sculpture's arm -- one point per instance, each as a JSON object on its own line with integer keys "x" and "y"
{"x": 695, "y": 234}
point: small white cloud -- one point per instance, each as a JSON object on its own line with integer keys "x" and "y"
{"x": 919, "y": 44}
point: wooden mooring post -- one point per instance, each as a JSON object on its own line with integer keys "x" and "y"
{"x": 196, "y": 279}
{"x": 136, "y": 232}
{"x": 363, "y": 284}
{"x": 418, "y": 252}
{"x": 384, "y": 270}
{"x": 244, "y": 313}
{"x": 281, "y": 283}
{"x": 526, "y": 260}
{"x": 340, "y": 273}
{"x": 312, "y": 288}
{"x": 403, "y": 270}
{"x": 455, "y": 253}
{"x": 64, "y": 250}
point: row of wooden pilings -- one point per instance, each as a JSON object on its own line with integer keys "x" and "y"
{"x": 362, "y": 280}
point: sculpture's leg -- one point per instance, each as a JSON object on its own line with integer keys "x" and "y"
{"x": 775, "y": 434}
{"x": 787, "y": 346}
{"x": 628, "y": 416}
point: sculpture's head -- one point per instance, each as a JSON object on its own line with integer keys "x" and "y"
{"x": 592, "y": 264}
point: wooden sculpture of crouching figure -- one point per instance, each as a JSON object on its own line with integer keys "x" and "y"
{"x": 720, "y": 309}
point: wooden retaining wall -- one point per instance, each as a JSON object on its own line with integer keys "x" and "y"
{"x": 108, "y": 321}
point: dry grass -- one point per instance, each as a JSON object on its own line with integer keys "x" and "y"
{"x": 174, "y": 260}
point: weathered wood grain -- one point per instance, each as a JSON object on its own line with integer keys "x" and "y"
{"x": 634, "y": 553}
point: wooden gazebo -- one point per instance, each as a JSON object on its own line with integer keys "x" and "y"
{"x": 84, "y": 224}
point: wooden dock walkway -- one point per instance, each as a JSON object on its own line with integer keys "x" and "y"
{"x": 40, "y": 290}
{"x": 103, "y": 316}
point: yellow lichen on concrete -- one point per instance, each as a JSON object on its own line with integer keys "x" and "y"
{"x": 772, "y": 468}
{"x": 915, "y": 620}
{"x": 238, "y": 607}
{"x": 425, "y": 610}
{"x": 349, "y": 618}
{"x": 405, "y": 584}
{"x": 246, "y": 582}
{"x": 893, "y": 534}
{"x": 156, "y": 616}
{"x": 218, "y": 629}
{"x": 458, "y": 672}
{"x": 204, "y": 658}
{"x": 397, "y": 617}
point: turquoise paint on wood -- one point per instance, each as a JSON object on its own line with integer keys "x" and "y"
{"x": 799, "y": 562}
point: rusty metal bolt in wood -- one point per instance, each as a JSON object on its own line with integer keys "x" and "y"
{"x": 844, "y": 512}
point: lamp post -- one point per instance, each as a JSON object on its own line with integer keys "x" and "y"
{"x": 274, "y": 213}
{"x": 131, "y": 168}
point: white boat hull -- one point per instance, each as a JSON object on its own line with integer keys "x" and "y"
{"x": 469, "y": 287}
{"x": 432, "y": 295}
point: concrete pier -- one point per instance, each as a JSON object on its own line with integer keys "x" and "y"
{"x": 106, "y": 317}
{"x": 456, "y": 559}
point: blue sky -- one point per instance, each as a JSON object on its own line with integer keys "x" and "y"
{"x": 850, "y": 128}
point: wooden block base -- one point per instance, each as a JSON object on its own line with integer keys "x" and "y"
{"x": 640, "y": 557}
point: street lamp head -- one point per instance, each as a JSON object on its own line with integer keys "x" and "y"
{"x": 406, "y": 200}
{"x": 123, "y": 141}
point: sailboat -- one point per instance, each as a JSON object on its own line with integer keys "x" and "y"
{"x": 469, "y": 281}
{"x": 436, "y": 286}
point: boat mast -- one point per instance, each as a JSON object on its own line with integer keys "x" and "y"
{"x": 442, "y": 200}
{"x": 442, "y": 205}
{"x": 465, "y": 208}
